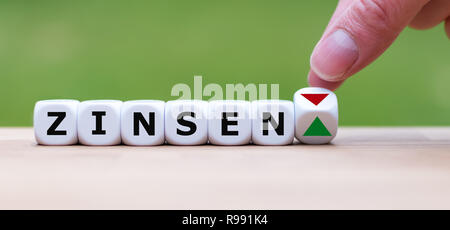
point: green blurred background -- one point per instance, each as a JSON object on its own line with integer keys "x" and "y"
{"x": 89, "y": 49}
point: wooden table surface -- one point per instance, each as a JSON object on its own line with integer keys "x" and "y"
{"x": 364, "y": 168}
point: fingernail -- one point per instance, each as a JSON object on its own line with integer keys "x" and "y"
{"x": 334, "y": 55}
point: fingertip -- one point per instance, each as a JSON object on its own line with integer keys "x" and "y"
{"x": 334, "y": 55}
{"x": 315, "y": 81}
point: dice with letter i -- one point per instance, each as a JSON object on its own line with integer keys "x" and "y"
{"x": 99, "y": 122}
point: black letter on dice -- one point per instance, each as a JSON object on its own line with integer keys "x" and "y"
{"x": 98, "y": 123}
{"x": 59, "y": 118}
{"x": 138, "y": 117}
{"x": 279, "y": 127}
{"x": 226, "y": 123}
{"x": 190, "y": 124}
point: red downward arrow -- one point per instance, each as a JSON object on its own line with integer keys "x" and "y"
{"x": 315, "y": 98}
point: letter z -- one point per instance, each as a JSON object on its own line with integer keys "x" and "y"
{"x": 59, "y": 118}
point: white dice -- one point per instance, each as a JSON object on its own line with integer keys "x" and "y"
{"x": 186, "y": 122}
{"x": 229, "y": 122}
{"x": 272, "y": 122}
{"x": 312, "y": 118}
{"x": 55, "y": 122}
{"x": 316, "y": 115}
{"x": 99, "y": 122}
{"x": 142, "y": 122}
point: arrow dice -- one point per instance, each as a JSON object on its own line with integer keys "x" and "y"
{"x": 316, "y": 115}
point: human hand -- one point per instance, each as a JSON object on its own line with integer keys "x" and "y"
{"x": 361, "y": 30}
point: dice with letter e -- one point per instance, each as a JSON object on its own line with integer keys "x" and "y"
{"x": 55, "y": 122}
{"x": 229, "y": 122}
{"x": 99, "y": 122}
{"x": 142, "y": 122}
{"x": 186, "y": 122}
{"x": 316, "y": 115}
{"x": 272, "y": 122}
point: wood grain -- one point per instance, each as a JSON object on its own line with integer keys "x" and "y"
{"x": 364, "y": 168}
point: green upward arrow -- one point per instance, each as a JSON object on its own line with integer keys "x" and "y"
{"x": 317, "y": 129}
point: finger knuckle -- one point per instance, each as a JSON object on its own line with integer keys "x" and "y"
{"x": 376, "y": 15}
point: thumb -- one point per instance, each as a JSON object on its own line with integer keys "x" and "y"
{"x": 361, "y": 33}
